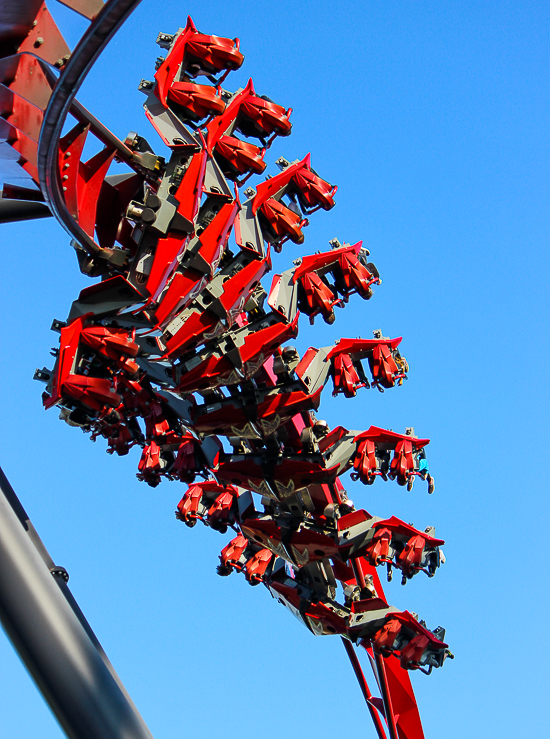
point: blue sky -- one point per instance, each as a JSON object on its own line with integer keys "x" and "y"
{"x": 433, "y": 120}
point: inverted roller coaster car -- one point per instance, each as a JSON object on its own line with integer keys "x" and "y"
{"x": 191, "y": 54}
{"x": 180, "y": 343}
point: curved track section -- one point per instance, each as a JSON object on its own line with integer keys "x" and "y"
{"x": 97, "y": 36}
{"x": 180, "y": 351}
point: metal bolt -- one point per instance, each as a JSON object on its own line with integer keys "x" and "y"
{"x": 39, "y": 41}
{"x": 132, "y": 140}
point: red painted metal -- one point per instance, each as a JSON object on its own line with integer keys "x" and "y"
{"x": 179, "y": 344}
{"x": 386, "y": 695}
{"x": 364, "y": 688}
{"x": 44, "y": 39}
{"x": 199, "y": 101}
{"x": 192, "y": 49}
{"x": 88, "y": 8}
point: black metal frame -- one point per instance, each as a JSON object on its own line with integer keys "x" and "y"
{"x": 90, "y": 46}
{"x": 53, "y": 638}
{"x": 37, "y": 610}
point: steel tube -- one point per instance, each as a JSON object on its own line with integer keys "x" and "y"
{"x": 102, "y": 132}
{"x": 386, "y": 696}
{"x": 53, "y": 639}
{"x": 364, "y": 687}
{"x": 92, "y": 43}
{"x": 21, "y": 210}
{"x": 358, "y": 574}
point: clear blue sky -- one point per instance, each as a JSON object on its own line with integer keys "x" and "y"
{"x": 433, "y": 119}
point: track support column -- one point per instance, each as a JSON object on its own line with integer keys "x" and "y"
{"x": 54, "y": 640}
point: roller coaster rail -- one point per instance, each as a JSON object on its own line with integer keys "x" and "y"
{"x": 178, "y": 317}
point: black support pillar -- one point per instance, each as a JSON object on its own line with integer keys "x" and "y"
{"x": 54, "y": 640}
